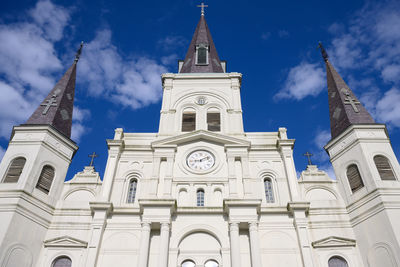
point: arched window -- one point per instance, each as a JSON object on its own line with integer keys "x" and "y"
{"x": 62, "y": 261}
{"x": 200, "y": 198}
{"x": 214, "y": 121}
{"x": 384, "y": 169}
{"x": 337, "y": 261}
{"x": 188, "y": 264}
{"x": 211, "y": 263}
{"x": 354, "y": 177}
{"x": 269, "y": 192}
{"x": 45, "y": 179}
{"x": 132, "y": 191}
{"x": 188, "y": 121}
{"x": 15, "y": 170}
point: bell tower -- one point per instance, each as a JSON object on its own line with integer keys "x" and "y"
{"x": 33, "y": 171}
{"x": 367, "y": 171}
{"x": 202, "y": 95}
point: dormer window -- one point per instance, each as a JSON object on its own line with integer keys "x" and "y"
{"x": 202, "y": 54}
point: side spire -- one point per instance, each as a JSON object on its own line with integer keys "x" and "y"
{"x": 344, "y": 107}
{"x": 56, "y": 109}
{"x": 202, "y": 56}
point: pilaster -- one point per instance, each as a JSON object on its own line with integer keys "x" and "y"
{"x": 100, "y": 212}
{"x": 299, "y": 211}
{"x": 115, "y": 147}
{"x": 285, "y": 147}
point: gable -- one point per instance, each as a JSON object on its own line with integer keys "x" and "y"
{"x": 334, "y": 241}
{"x": 65, "y": 241}
{"x": 201, "y": 135}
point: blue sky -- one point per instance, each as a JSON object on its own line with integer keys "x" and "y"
{"x": 130, "y": 43}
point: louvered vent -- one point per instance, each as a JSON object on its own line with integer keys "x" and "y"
{"x": 15, "y": 170}
{"x": 214, "y": 122}
{"x": 354, "y": 178}
{"x": 45, "y": 179}
{"x": 384, "y": 169}
{"x": 188, "y": 122}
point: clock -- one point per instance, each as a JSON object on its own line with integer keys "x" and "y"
{"x": 200, "y": 160}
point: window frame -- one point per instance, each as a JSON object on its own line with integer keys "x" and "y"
{"x": 355, "y": 189}
{"x": 43, "y": 189}
{"x": 272, "y": 193}
{"x": 206, "y": 48}
{"x": 338, "y": 257}
{"x": 60, "y": 257}
{"x": 200, "y": 198}
{"x": 4, "y": 180}
{"x": 188, "y": 260}
{"x": 380, "y": 171}
{"x": 194, "y": 113}
{"x": 208, "y": 121}
{"x": 128, "y": 197}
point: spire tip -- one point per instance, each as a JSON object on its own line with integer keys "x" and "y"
{"x": 323, "y": 51}
{"x": 78, "y": 53}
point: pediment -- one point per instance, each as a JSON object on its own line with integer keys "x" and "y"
{"x": 334, "y": 241}
{"x": 201, "y": 135}
{"x": 65, "y": 241}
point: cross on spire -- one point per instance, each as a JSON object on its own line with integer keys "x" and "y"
{"x": 308, "y": 155}
{"x": 202, "y": 8}
{"x": 50, "y": 103}
{"x": 94, "y": 155}
{"x": 350, "y": 101}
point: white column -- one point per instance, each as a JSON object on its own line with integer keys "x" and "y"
{"x": 235, "y": 246}
{"x": 254, "y": 245}
{"x": 144, "y": 245}
{"x": 164, "y": 245}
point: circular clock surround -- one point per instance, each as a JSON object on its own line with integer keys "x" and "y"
{"x": 200, "y": 160}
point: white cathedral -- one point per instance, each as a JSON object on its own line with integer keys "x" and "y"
{"x": 201, "y": 191}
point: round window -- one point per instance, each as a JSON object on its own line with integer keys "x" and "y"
{"x": 211, "y": 263}
{"x": 188, "y": 264}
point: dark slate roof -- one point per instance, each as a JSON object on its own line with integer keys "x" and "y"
{"x": 342, "y": 113}
{"x": 202, "y": 35}
{"x": 59, "y": 115}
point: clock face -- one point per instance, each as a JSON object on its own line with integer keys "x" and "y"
{"x": 200, "y": 160}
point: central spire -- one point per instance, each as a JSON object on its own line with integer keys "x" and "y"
{"x": 202, "y": 56}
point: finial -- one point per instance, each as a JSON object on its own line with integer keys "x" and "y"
{"x": 323, "y": 51}
{"x": 202, "y": 8}
{"x": 78, "y": 53}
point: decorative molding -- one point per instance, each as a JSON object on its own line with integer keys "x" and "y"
{"x": 334, "y": 241}
{"x": 200, "y": 134}
{"x": 65, "y": 242}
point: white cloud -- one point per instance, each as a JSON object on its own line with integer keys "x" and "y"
{"x": 29, "y": 62}
{"x": 2, "y": 152}
{"x": 322, "y": 138}
{"x": 133, "y": 83}
{"x": 170, "y": 60}
{"x": 303, "y": 80}
{"x": 51, "y": 18}
{"x": 388, "y": 108}
{"x": 371, "y": 42}
{"x": 171, "y": 43}
{"x": 30, "y": 68}
{"x": 78, "y": 128}
{"x": 391, "y": 73}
